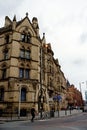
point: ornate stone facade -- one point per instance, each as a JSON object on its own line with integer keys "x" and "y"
{"x": 29, "y": 73}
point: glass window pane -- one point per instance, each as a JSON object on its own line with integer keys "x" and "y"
{"x": 3, "y": 73}
{"x": 22, "y": 53}
{"x": 23, "y": 38}
{"x": 28, "y": 38}
{"x": 27, "y": 73}
{"x": 27, "y": 54}
{"x": 21, "y": 73}
{"x": 6, "y": 54}
{"x": 23, "y": 94}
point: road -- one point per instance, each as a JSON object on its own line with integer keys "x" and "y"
{"x": 74, "y": 122}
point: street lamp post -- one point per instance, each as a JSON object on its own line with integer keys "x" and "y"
{"x": 41, "y": 77}
{"x": 58, "y": 107}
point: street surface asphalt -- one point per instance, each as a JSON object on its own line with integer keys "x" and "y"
{"x": 72, "y": 122}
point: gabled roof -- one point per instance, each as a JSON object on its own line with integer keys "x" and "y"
{"x": 22, "y": 20}
{"x": 8, "y": 19}
{"x": 5, "y": 29}
{"x": 18, "y": 23}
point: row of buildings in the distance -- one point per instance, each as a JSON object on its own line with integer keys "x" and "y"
{"x": 30, "y": 76}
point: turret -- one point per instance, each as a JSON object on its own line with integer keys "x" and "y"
{"x": 7, "y": 21}
{"x": 35, "y": 25}
{"x": 44, "y": 39}
{"x": 14, "y": 23}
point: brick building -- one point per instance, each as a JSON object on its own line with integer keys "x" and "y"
{"x": 74, "y": 97}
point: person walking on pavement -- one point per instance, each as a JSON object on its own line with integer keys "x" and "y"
{"x": 32, "y": 114}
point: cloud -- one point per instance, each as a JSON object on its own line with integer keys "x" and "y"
{"x": 83, "y": 38}
{"x": 8, "y": 6}
{"x": 65, "y": 25}
{"x": 79, "y": 62}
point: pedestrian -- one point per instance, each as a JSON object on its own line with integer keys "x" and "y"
{"x": 32, "y": 114}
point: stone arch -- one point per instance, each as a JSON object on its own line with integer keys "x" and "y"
{"x": 28, "y": 65}
{"x": 22, "y": 65}
{"x": 4, "y": 65}
{"x": 22, "y": 47}
{"x": 26, "y": 29}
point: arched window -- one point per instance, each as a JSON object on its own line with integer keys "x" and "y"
{"x": 1, "y": 94}
{"x": 23, "y": 94}
{"x": 26, "y": 37}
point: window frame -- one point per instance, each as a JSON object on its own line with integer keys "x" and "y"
{"x": 21, "y": 72}
{"x": 24, "y": 54}
{"x": 4, "y": 73}
{"x": 5, "y": 54}
{"x": 23, "y": 94}
{"x": 26, "y": 37}
{"x": 27, "y": 73}
{"x": 24, "y": 73}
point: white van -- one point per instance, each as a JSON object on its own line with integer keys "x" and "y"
{"x": 85, "y": 108}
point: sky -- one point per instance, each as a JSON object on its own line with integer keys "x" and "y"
{"x": 64, "y": 23}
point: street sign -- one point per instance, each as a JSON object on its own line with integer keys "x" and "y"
{"x": 57, "y": 98}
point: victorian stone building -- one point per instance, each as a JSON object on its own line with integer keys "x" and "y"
{"x": 74, "y": 97}
{"x": 30, "y": 76}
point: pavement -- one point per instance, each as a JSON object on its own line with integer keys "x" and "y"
{"x": 45, "y": 115}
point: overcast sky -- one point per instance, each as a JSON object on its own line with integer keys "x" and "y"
{"x": 64, "y": 23}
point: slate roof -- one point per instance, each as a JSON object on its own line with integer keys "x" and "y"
{"x": 5, "y": 29}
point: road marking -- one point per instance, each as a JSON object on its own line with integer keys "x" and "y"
{"x": 45, "y": 119}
